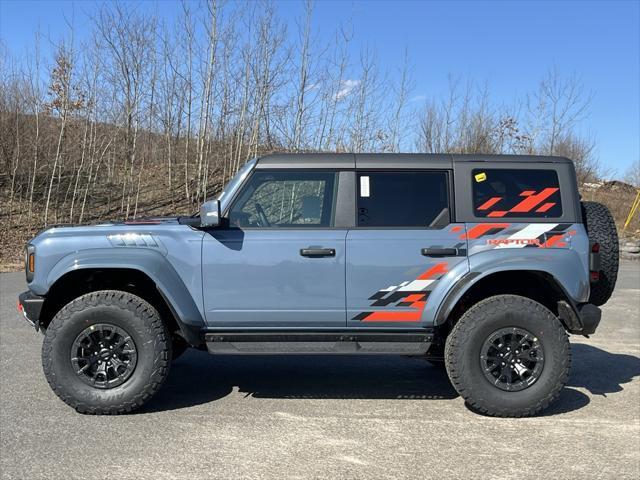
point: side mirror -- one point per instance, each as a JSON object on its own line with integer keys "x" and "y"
{"x": 210, "y": 215}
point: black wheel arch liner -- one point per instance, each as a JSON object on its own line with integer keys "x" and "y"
{"x": 156, "y": 268}
{"x": 577, "y": 318}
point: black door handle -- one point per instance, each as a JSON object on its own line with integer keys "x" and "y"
{"x": 439, "y": 252}
{"x": 318, "y": 252}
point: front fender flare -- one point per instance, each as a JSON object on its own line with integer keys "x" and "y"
{"x": 151, "y": 263}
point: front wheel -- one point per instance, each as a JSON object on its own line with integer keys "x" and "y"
{"x": 508, "y": 356}
{"x": 106, "y": 352}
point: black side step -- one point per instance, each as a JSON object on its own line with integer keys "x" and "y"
{"x": 321, "y": 343}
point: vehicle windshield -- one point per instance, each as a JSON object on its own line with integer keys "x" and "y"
{"x": 234, "y": 183}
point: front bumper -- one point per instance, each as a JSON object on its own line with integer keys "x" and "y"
{"x": 30, "y": 305}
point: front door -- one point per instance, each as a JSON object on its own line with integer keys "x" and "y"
{"x": 404, "y": 244}
{"x": 280, "y": 263}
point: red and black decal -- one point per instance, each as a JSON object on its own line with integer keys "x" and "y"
{"x": 554, "y": 237}
{"x": 531, "y": 203}
{"x": 412, "y": 294}
{"x": 483, "y": 229}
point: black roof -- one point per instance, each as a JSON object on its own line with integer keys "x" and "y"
{"x": 397, "y": 160}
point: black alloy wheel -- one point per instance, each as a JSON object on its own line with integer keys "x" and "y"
{"x": 512, "y": 359}
{"x": 104, "y": 356}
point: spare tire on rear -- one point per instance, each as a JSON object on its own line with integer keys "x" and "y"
{"x": 601, "y": 228}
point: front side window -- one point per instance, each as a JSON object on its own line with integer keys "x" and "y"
{"x": 402, "y": 199}
{"x": 281, "y": 199}
{"x": 516, "y": 193}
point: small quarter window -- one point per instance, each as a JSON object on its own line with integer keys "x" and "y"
{"x": 516, "y": 193}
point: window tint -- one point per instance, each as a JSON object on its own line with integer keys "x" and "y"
{"x": 402, "y": 199}
{"x": 285, "y": 199}
{"x": 516, "y": 193}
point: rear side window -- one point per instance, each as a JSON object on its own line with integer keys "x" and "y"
{"x": 516, "y": 193}
{"x": 402, "y": 199}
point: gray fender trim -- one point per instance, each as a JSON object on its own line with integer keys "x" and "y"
{"x": 560, "y": 264}
{"x": 453, "y": 295}
{"x": 155, "y": 266}
{"x": 456, "y": 293}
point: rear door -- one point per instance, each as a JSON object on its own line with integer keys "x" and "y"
{"x": 403, "y": 246}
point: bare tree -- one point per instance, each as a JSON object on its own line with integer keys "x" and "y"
{"x": 65, "y": 99}
{"x": 632, "y": 175}
{"x": 143, "y": 119}
{"x": 556, "y": 107}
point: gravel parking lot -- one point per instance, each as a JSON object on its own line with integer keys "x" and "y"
{"x": 326, "y": 417}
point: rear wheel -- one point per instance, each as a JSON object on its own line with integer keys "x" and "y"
{"x": 508, "y": 356}
{"x": 106, "y": 352}
{"x": 601, "y": 228}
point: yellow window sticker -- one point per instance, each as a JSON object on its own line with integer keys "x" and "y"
{"x": 481, "y": 177}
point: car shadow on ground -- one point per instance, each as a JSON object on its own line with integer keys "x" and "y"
{"x": 597, "y": 371}
{"x": 197, "y": 378}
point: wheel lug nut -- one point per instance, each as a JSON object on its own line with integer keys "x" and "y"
{"x": 503, "y": 363}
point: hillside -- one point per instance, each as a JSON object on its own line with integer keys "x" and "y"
{"x": 138, "y": 119}
{"x": 155, "y": 199}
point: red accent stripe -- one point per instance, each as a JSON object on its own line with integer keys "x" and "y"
{"x": 489, "y": 203}
{"x": 456, "y": 229}
{"x": 414, "y": 297}
{"x": 497, "y": 213}
{"x": 554, "y": 241}
{"x": 481, "y": 229}
{"x": 545, "y": 207}
{"x": 527, "y": 193}
{"x": 438, "y": 268}
{"x": 532, "y": 201}
{"x": 394, "y": 316}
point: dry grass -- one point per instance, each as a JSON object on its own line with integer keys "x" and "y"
{"x": 619, "y": 202}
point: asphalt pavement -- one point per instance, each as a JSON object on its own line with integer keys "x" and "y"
{"x": 325, "y": 417}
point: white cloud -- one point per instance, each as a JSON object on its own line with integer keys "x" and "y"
{"x": 313, "y": 86}
{"x": 346, "y": 87}
{"x": 418, "y": 98}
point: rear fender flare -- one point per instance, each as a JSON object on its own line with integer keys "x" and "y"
{"x": 562, "y": 265}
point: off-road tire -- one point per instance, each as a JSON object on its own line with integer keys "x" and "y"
{"x": 601, "y": 228}
{"x": 463, "y": 347}
{"x": 129, "y": 312}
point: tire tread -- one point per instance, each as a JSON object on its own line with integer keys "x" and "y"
{"x": 138, "y": 307}
{"x": 459, "y": 337}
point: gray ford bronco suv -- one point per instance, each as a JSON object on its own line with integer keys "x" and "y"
{"x": 481, "y": 263}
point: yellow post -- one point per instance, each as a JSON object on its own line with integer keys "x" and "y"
{"x": 632, "y": 212}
